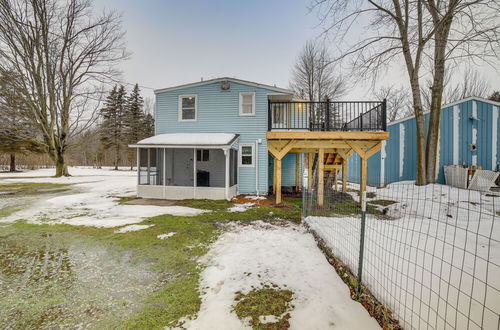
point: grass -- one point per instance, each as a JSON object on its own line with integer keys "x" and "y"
{"x": 172, "y": 261}
{"x": 266, "y": 301}
{"x": 30, "y": 188}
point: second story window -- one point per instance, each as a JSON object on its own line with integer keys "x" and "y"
{"x": 247, "y": 104}
{"x": 187, "y": 107}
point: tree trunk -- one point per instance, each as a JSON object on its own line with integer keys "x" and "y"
{"x": 117, "y": 156}
{"x": 12, "y": 163}
{"x": 419, "y": 122}
{"x": 61, "y": 167}
{"x": 441, "y": 38}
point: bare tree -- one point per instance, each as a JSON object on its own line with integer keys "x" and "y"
{"x": 430, "y": 34}
{"x": 61, "y": 53}
{"x": 313, "y": 74}
{"x": 398, "y": 101}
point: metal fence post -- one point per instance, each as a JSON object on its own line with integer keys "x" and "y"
{"x": 361, "y": 240}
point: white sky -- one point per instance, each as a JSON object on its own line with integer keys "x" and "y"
{"x": 177, "y": 42}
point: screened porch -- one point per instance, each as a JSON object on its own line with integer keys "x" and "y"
{"x": 202, "y": 168}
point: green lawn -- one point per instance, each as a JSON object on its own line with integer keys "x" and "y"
{"x": 62, "y": 275}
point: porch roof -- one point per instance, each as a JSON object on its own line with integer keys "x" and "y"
{"x": 189, "y": 140}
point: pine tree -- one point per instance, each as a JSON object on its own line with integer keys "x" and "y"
{"x": 112, "y": 125}
{"x": 149, "y": 125}
{"x": 17, "y": 133}
{"x": 133, "y": 121}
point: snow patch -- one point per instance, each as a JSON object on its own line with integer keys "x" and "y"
{"x": 92, "y": 201}
{"x": 167, "y": 235}
{"x": 255, "y": 198}
{"x": 240, "y": 207}
{"x": 129, "y": 228}
{"x": 189, "y": 139}
{"x": 261, "y": 253}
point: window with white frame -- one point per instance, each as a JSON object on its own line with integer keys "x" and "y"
{"x": 247, "y": 104}
{"x": 247, "y": 155}
{"x": 187, "y": 107}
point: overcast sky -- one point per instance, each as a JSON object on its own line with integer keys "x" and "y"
{"x": 177, "y": 42}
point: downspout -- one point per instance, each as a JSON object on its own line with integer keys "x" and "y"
{"x": 257, "y": 142}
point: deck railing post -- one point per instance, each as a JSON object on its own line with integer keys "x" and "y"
{"x": 269, "y": 116}
{"x": 327, "y": 114}
{"x": 384, "y": 115}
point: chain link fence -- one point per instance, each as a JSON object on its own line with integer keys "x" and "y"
{"x": 431, "y": 254}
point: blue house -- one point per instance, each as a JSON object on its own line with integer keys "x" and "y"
{"x": 469, "y": 131}
{"x": 222, "y": 137}
{"x": 210, "y": 141}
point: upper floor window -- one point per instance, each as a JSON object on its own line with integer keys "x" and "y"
{"x": 247, "y": 104}
{"x": 187, "y": 107}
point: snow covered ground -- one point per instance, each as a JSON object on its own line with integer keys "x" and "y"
{"x": 287, "y": 256}
{"x": 91, "y": 202}
{"x": 436, "y": 263}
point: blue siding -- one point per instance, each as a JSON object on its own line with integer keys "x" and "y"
{"x": 466, "y": 127}
{"x": 218, "y": 112}
{"x": 287, "y": 170}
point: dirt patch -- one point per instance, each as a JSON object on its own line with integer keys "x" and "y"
{"x": 261, "y": 201}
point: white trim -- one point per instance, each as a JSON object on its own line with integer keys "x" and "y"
{"x": 226, "y": 183}
{"x": 177, "y": 146}
{"x": 383, "y": 155}
{"x": 257, "y": 167}
{"x": 241, "y": 104}
{"x": 240, "y": 154}
{"x": 456, "y": 136}
{"x": 180, "y": 107}
{"x": 494, "y": 138}
{"x": 185, "y": 192}
{"x": 211, "y": 81}
{"x": 448, "y": 105}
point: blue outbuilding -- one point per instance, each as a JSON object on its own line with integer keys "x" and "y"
{"x": 468, "y": 136}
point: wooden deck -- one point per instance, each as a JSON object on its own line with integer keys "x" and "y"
{"x": 333, "y": 149}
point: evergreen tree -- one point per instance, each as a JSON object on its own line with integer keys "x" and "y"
{"x": 112, "y": 125}
{"x": 17, "y": 133}
{"x": 495, "y": 96}
{"x": 149, "y": 125}
{"x": 133, "y": 121}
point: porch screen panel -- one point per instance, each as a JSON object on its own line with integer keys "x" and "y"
{"x": 159, "y": 167}
{"x": 233, "y": 167}
{"x": 143, "y": 166}
{"x": 179, "y": 167}
{"x": 211, "y": 170}
{"x": 153, "y": 170}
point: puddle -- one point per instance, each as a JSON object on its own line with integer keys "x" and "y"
{"x": 47, "y": 284}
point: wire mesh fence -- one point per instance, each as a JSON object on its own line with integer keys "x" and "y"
{"x": 431, "y": 253}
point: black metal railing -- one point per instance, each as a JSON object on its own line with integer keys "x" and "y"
{"x": 328, "y": 116}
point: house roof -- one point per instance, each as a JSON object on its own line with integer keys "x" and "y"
{"x": 470, "y": 98}
{"x": 177, "y": 140}
{"x": 211, "y": 81}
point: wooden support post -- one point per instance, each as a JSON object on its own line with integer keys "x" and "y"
{"x": 321, "y": 175}
{"x": 274, "y": 175}
{"x": 335, "y": 174}
{"x": 344, "y": 175}
{"x": 278, "y": 180}
{"x": 309, "y": 170}
{"x": 297, "y": 177}
{"x": 362, "y": 179}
